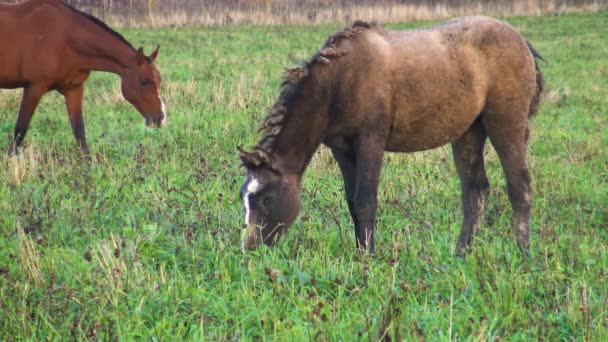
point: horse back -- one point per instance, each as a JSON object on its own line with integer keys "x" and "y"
{"x": 427, "y": 86}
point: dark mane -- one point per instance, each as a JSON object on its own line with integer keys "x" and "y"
{"x": 99, "y": 23}
{"x": 293, "y": 80}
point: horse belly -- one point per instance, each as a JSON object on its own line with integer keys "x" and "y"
{"x": 10, "y": 75}
{"x": 12, "y": 84}
{"x": 432, "y": 129}
{"x": 433, "y": 107}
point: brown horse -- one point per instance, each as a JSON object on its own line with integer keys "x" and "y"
{"x": 48, "y": 45}
{"x": 369, "y": 90}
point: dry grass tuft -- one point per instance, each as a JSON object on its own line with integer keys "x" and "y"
{"x": 26, "y": 163}
{"x": 323, "y": 160}
{"x": 29, "y": 258}
{"x": 557, "y": 95}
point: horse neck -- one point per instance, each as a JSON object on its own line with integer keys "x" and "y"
{"x": 303, "y": 130}
{"x": 101, "y": 50}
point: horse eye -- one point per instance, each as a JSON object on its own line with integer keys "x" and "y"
{"x": 266, "y": 200}
{"x": 144, "y": 83}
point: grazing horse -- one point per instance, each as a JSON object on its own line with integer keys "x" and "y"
{"x": 370, "y": 90}
{"x": 48, "y": 45}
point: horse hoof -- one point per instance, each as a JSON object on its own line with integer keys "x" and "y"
{"x": 11, "y": 153}
{"x": 524, "y": 249}
{"x": 462, "y": 251}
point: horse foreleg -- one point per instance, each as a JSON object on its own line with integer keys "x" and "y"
{"x": 468, "y": 157}
{"x": 73, "y": 101}
{"x": 369, "y": 152}
{"x": 346, "y": 162}
{"x": 29, "y": 102}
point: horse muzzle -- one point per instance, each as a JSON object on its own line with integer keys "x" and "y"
{"x": 252, "y": 237}
{"x": 156, "y": 123}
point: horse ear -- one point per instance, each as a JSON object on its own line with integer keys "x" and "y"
{"x": 139, "y": 55}
{"x": 265, "y": 159}
{"x": 249, "y": 159}
{"x": 154, "y": 54}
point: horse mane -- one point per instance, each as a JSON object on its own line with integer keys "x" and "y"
{"x": 294, "y": 78}
{"x": 99, "y": 23}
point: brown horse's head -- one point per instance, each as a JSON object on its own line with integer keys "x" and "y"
{"x": 271, "y": 200}
{"x": 141, "y": 87}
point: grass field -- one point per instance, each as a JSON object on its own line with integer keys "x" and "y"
{"x": 143, "y": 241}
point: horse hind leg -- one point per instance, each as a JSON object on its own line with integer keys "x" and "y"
{"x": 468, "y": 157}
{"x": 509, "y": 136}
{"x": 29, "y": 102}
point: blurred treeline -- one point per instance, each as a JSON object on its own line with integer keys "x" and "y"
{"x": 222, "y": 12}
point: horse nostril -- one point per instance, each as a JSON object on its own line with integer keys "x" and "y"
{"x": 163, "y": 121}
{"x": 252, "y": 238}
{"x": 251, "y": 246}
{"x": 156, "y": 123}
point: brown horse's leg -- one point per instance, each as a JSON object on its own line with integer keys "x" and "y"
{"x": 468, "y": 156}
{"x": 73, "y": 101}
{"x": 369, "y": 152}
{"x": 509, "y": 138}
{"x": 29, "y": 102}
{"x": 347, "y": 164}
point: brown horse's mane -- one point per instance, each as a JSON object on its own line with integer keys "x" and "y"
{"x": 293, "y": 80}
{"x": 99, "y": 23}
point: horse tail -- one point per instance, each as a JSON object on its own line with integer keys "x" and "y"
{"x": 540, "y": 83}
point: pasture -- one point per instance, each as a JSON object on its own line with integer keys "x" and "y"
{"x": 143, "y": 240}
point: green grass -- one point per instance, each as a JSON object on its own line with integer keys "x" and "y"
{"x": 144, "y": 240}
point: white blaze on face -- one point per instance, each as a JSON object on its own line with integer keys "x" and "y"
{"x": 252, "y": 187}
{"x": 164, "y": 110}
